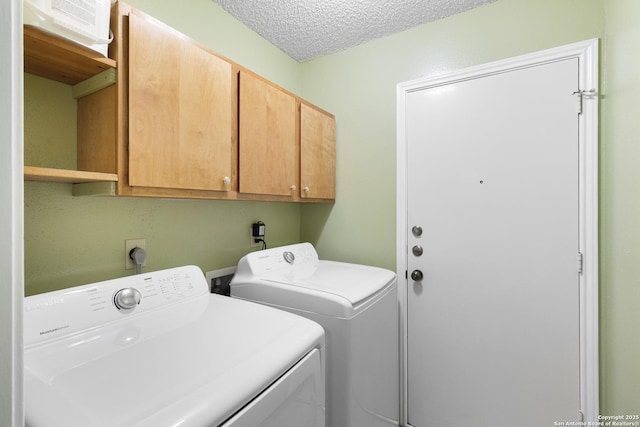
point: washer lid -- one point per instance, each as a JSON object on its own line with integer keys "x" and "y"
{"x": 352, "y": 282}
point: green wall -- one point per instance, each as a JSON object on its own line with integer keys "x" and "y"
{"x": 620, "y": 210}
{"x": 76, "y": 240}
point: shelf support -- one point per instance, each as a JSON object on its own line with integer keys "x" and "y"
{"x": 94, "y": 189}
{"x": 94, "y": 84}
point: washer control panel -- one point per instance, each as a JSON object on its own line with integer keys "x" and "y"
{"x": 280, "y": 258}
{"x": 66, "y": 311}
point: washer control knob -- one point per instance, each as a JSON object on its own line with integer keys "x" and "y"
{"x": 289, "y": 257}
{"x": 127, "y": 299}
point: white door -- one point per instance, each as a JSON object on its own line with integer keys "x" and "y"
{"x": 492, "y": 223}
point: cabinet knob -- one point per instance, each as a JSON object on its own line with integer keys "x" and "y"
{"x": 305, "y": 189}
{"x": 226, "y": 180}
{"x": 293, "y": 188}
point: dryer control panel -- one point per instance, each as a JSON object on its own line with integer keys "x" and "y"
{"x": 66, "y": 311}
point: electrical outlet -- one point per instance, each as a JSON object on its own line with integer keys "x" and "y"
{"x": 129, "y": 245}
{"x": 253, "y": 243}
{"x": 257, "y": 232}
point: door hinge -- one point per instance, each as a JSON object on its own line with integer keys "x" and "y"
{"x": 582, "y": 94}
{"x": 580, "y": 263}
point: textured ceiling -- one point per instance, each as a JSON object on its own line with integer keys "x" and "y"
{"x": 305, "y": 29}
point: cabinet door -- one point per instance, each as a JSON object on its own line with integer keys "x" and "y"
{"x": 268, "y": 145}
{"x": 180, "y": 111}
{"x": 317, "y": 154}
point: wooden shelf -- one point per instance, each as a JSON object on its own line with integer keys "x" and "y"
{"x": 59, "y": 59}
{"x": 32, "y": 173}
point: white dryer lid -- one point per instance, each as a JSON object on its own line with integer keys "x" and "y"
{"x": 193, "y": 362}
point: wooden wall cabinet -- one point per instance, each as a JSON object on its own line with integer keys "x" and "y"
{"x": 183, "y": 122}
{"x": 317, "y": 153}
{"x": 180, "y": 111}
{"x": 168, "y": 126}
{"x": 267, "y": 139}
{"x": 287, "y": 146}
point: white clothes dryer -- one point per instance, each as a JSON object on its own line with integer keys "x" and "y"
{"x": 157, "y": 349}
{"x": 358, "y": 307}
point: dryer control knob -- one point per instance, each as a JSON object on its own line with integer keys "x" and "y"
{"x": 127, "y": 299}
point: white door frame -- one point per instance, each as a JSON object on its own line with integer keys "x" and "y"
{"x": 587, "y": 54}
{"x": 11, "y": 214}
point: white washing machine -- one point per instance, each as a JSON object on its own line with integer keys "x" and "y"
{"x": 357, "y": 306}
{"x": 158, "y": 349}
